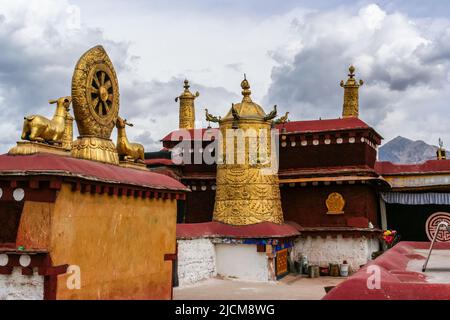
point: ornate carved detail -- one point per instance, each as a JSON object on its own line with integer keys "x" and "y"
{"x": 272, "y": 114}
{"x": 210, "y": 118}
{"x": 431, "y": 226}
{"x": 282, "y": 119}
{"x": 96, "y": 149}
{"x": 245, "y": 193}
{"x": 335, "y": 203}
{"x": 95, "y": 93}
{"x": 351, "y": 95}
{"x": 67, "y": 141}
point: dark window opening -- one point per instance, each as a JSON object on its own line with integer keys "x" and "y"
{"x": 10, "y": 213}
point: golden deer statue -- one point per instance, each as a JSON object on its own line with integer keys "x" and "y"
{"x": 129, "y": 151}
{"x": 41, "y": 129}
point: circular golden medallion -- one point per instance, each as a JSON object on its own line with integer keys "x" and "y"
{"x": 95, "y": 94}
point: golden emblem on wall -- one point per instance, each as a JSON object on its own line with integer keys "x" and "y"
{"x": 335, "y": 203}
{"x": 95, "y": 99}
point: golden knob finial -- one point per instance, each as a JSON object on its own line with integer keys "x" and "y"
{"x": 246, "y": 92}
{"x": 186, "y": 85}
{"x": 352, "y": 71}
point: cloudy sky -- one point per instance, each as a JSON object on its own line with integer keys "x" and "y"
{"x": 294, "y": 54}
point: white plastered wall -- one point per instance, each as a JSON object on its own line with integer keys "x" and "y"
{"x": 196, "y": 261}
{"x": 356, "y": 251}
{"x": 241, "y": 261}
{"x": 16, "y": 286}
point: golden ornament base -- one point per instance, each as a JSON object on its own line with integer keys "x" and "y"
{"x": 95, "y": 149}
{"x": 133, "y": 165}
{"x": 335, "y": 212}
{"x": 24, "y": 148}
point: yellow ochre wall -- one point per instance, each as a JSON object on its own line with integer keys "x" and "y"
{"x": 119, "y": 244}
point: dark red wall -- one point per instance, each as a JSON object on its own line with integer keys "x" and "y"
{"x": 199, "y": 206}
{"x": 306, "y": 205}
{"x": 327, "y": 156}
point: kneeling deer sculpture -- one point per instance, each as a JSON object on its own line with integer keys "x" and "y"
{"x": 41, "y": 129}
{"x": 129, "y": 151}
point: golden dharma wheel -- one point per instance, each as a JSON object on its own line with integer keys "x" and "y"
{"x": 95, "y": 94}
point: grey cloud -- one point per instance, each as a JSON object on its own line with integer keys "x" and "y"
{"x": 146, "y": 139}
{"x": 34, "y": 70}
{"x": 151, "y": 106}
{"x": 235, "y": 66}
{"x": 397, "y": 60}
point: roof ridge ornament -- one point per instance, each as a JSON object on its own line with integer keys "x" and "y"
{"x": 351, "y": 95}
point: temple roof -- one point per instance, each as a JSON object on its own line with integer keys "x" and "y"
{"x": 191, "y": 134}
{"x": 303, "y": 126}
{"x": 54, "y": 165}
{"x": 428, "y": 167}
{"x": 313, "y": 126}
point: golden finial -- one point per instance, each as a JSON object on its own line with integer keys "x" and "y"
{"x": 441, "y": 151}
{"x": 187, "y": 108}
{"x": 351, "y": 94}
{"x": 246, "y": 92}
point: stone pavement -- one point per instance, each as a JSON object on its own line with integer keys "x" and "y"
{"x": 291, "y": 287}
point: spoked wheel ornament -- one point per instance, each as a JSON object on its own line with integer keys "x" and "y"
{"x": 95, "y": 93}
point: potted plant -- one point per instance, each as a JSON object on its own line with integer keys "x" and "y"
{"x": 344, "y": 269}
{"x": 390, "y": 238}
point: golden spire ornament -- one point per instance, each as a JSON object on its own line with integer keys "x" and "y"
{"x": 440, "y": 153}
{"x": 351, "y": 95}
{"x": 247, "y": 187}
{"x": 187, "y": 108}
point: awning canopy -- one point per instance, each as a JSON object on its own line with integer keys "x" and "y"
{"x": 416, "y": 198}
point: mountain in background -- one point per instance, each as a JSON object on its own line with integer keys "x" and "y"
{"x": 403, "y": 150}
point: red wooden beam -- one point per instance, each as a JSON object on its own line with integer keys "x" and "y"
{"x": 6, "y": 270}
{"x": 53, "y": 271}
{"x": 170, "y": 257}
{"x": 34, "y": 184}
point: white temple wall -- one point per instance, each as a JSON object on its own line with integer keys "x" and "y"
{"x": 241, "y": 261}
{"x": 16, "y": 286}
{"x": 196, "y": 261}
{"x": 320, "y": 251}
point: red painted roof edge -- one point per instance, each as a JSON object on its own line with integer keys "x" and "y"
{"x": 326, "y": 125}
{"x": 221, "y": 230}
{"x": 397, "y": 283}
{"x": 430, "y": 167}
{"x": 300, "y": 126}
{"x": 161, "y": 161}
{"x": 189, "y": 133}
{"x": 63, "y": 166}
